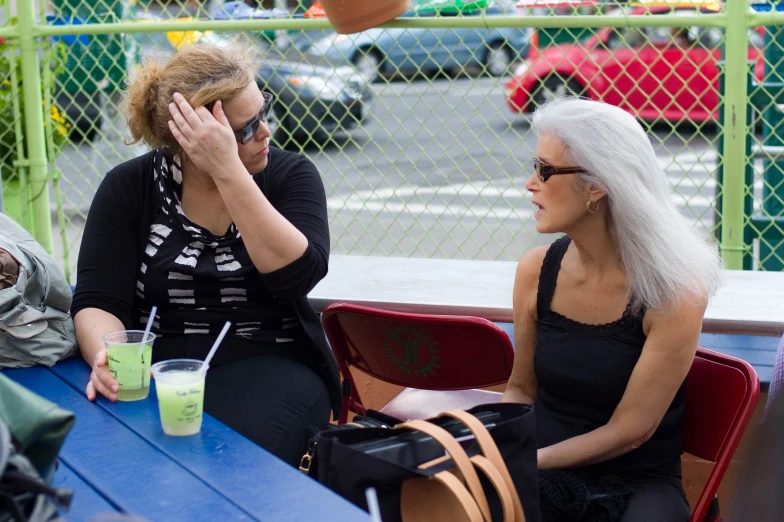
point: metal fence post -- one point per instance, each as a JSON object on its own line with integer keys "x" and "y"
{"x": 735, "y": 128}
{"x": 34, "y": 128}
{"x": 748, "y": 207}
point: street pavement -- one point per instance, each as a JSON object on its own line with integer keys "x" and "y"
{"x": 438, "y": 169}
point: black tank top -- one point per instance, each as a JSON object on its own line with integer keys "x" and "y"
{"x": 582, "y": 371}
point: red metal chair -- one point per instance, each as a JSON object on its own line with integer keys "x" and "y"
{"x": 423, "y": 352}
{"x": 426, "y": 352}
{"x": 721, "y": 393}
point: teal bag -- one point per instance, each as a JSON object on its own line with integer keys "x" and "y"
{"x": 32, "y": 431}
{"x": 38, "y": 426}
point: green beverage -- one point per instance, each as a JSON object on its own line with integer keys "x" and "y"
{"x": 130, "y": 353}
{"x": 180, "y": 387}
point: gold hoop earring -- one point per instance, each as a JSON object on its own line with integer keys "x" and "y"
{"x": 592, "y": 210}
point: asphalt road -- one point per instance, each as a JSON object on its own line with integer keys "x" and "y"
{"x": 437, "y": 170}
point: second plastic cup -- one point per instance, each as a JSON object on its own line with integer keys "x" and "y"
{"x": 130, "y": 355}
{"x": 180, "y": 387}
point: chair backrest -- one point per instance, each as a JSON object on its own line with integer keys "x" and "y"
{"x": 433, "y": 352}
{"x": 721, "y": 393}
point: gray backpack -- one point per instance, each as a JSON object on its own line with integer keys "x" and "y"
{"x": 35, "y": 322}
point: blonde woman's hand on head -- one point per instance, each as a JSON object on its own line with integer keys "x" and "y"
{"x": 206, "y": 137}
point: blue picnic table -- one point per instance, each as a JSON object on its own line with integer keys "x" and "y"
{"x": 117, "y": 459}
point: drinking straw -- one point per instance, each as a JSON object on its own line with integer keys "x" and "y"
{"x": 372, "y": 502}
{"x": 206, "y": 363}
{"x": 147, "y": 330}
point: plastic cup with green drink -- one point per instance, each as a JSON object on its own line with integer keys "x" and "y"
{"x": 180, "y": 388}
{"x": 130, "y": 353}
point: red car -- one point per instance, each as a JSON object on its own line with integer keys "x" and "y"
{"x": 653, "y": 72}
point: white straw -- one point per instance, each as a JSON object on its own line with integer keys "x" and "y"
{"x": 149, "y": 327}
{"x": 206, "y": 363}
{"x": 372, "y": 502}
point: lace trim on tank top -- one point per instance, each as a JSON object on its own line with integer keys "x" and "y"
{"x": 548, "y": 279}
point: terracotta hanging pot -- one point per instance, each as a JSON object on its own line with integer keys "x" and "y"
{"x": 352, "y": 16}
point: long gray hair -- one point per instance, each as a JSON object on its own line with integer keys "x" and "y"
{"x": 664, "y": 256}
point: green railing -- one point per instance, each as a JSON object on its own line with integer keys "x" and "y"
{"x": 402, "y": 184}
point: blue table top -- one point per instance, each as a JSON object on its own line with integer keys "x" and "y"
{"x": 120, "y": 450}
{"x": 117, "y": 458}
{"x": 86, "y": 503}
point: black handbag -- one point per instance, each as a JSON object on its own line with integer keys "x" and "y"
{"x": 348, "y": 460}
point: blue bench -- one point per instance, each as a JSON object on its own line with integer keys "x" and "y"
{"x": 759, "y": 351}
{"x": 118, "y": 460}
{"x": 745, "y": 318}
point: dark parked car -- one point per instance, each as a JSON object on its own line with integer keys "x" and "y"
{"x": 381, "y": 52}
{"x": 314, "y": 98}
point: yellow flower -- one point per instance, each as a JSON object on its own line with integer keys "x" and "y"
{"x": 56, "y": 116}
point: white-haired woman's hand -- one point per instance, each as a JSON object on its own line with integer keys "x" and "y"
{"x": 206, "y": 137}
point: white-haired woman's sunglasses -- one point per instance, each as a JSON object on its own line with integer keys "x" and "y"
{"x": 544, "y": 171}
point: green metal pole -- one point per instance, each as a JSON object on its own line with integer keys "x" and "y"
{"x": 23, "y": 215}
{"x": 748, "y": 205}
{"x": 718, "y": 20}
{"x": 748, "y": 259}
{"x": 34, "y": 125}
{"x": 50, "y": 58}
{"x": 735, "y": 127}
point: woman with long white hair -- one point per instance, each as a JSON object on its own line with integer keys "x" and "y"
{"x": 607, "y": 317}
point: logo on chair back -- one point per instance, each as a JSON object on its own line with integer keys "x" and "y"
{"x": 412, "y": 350}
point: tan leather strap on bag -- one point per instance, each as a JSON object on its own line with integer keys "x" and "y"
{"x": 440, "y": 498}
{"x": 461, "y": 460}
{"x": 495, "y": 478}
{"x": 490, "y": 450}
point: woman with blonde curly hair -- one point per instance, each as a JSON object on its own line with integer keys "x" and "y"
{"x": 213, "y": 224}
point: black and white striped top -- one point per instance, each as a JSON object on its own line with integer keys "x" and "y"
{"x": 114, "y": 247}
{"x": 199, "y": 280}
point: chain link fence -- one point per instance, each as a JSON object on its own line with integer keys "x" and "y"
{"x": 765, "y": 171}
{"x": 421, "y": 134}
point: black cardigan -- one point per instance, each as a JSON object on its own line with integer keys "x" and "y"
{"x": 124, "y": 208}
